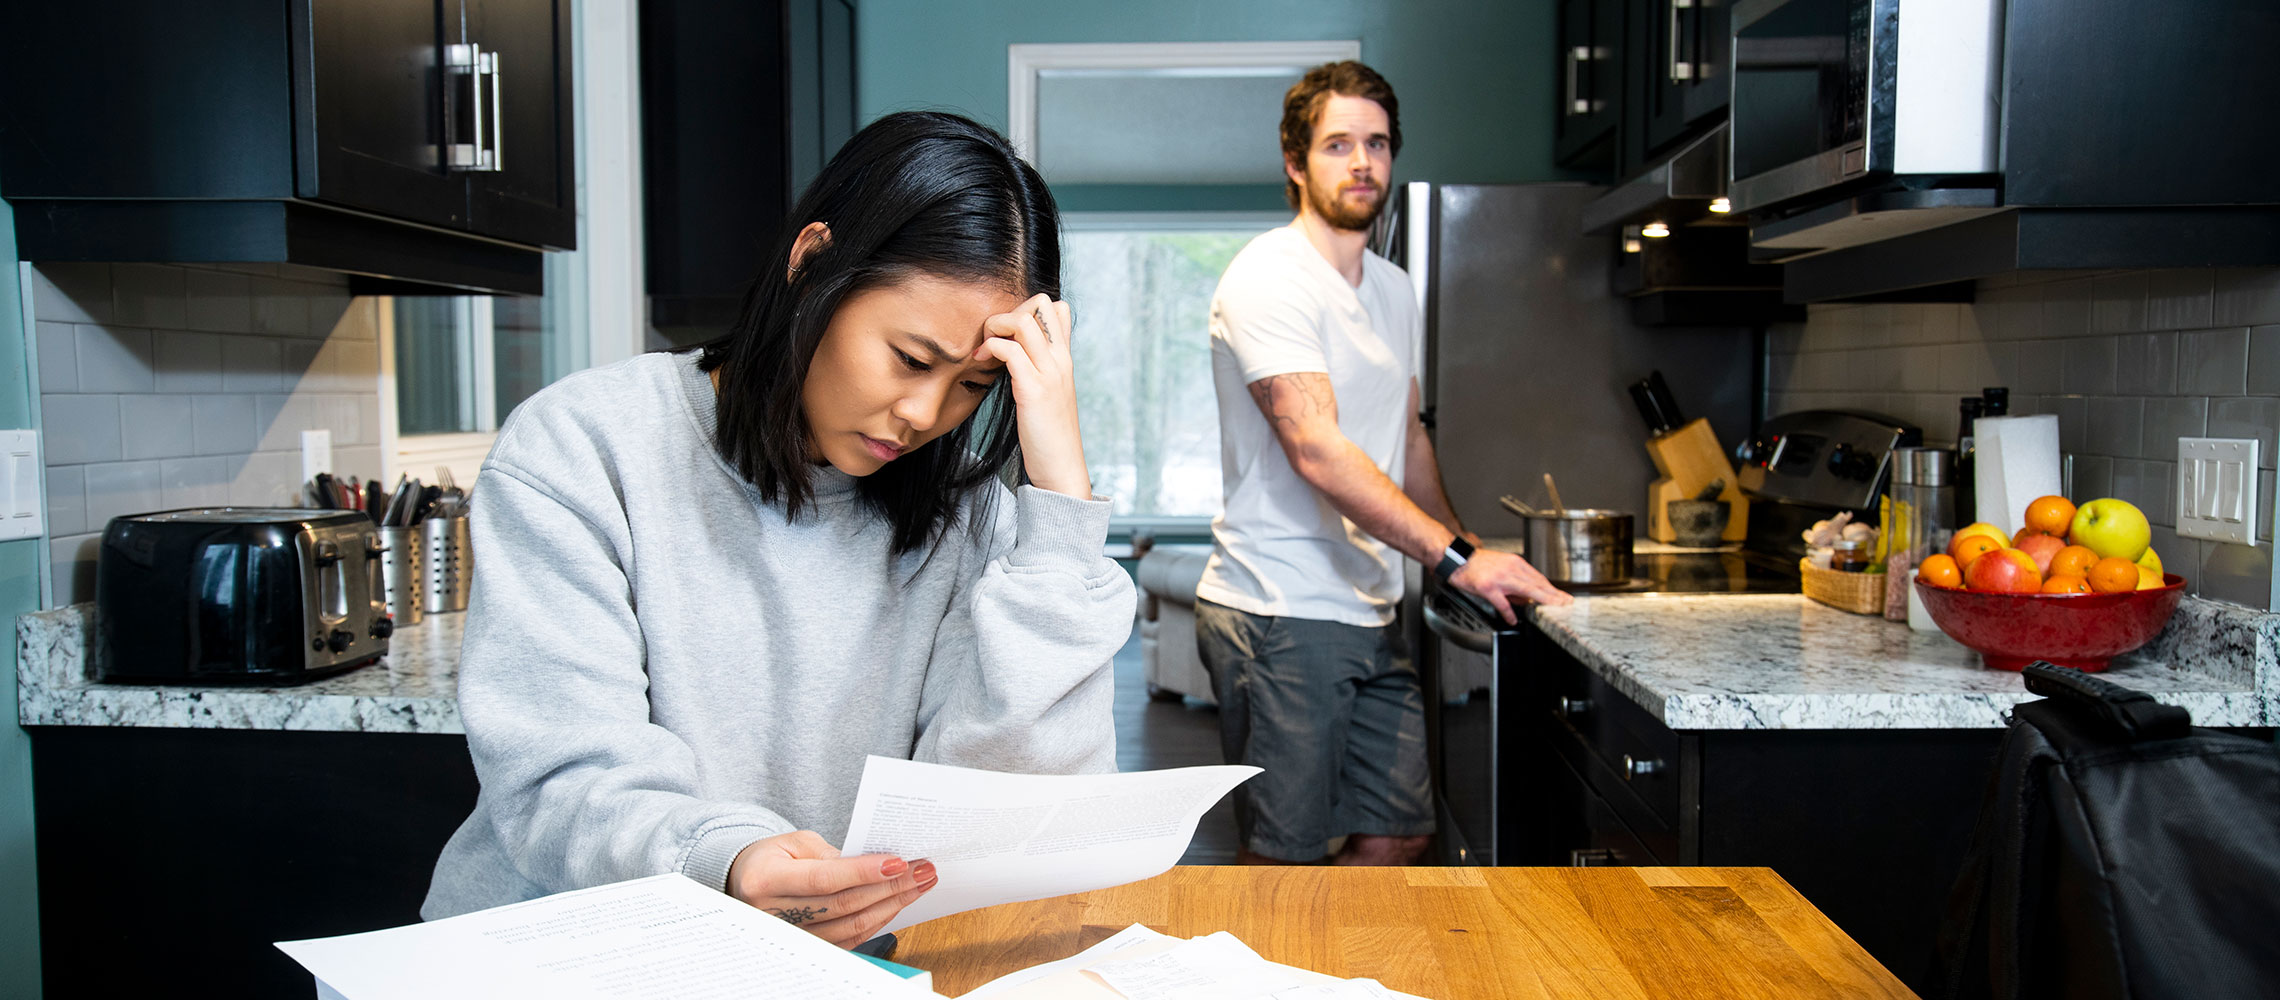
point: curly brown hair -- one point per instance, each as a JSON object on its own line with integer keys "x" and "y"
{"x": 1302, "y": 107}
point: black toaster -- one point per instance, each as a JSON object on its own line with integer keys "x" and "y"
{"x": 238, "y": 593}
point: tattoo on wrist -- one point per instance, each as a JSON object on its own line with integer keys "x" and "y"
{"x": 797, "y": 915}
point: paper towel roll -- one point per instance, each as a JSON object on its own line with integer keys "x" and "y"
{"x": 2017, "y": 462}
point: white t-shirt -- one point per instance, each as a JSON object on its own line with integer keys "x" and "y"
{"x": 1280, "y": 548}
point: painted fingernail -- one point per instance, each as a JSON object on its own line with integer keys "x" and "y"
{"x": 893, "y": 867}
{"x": 924, "y": 873}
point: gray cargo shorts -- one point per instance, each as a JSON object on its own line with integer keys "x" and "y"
{"x": 1334, "y": 715}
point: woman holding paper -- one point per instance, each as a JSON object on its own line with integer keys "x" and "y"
{"x": 713, "y": 582}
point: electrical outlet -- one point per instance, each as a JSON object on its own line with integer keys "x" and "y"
{"x": 316, "y": 454}
{"x": 2216, "y": 489}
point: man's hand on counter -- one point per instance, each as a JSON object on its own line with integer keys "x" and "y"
{"x": 1502, "y": 579}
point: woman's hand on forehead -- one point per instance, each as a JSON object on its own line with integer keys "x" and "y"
{"x": 1033, "y": 341}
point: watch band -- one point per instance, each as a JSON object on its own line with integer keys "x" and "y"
{"x": 1456, "y": 555}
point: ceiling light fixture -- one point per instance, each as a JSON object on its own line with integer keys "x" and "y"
{"x": 1654, "y": 231}
{"x": 1721, "y": 205}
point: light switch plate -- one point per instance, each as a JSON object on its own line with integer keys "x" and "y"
{"x": 2216, "y": 489}
{"x": 23, "y": 501}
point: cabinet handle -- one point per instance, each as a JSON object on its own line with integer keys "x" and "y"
{"x": 1636, "y": 768}
{"x": 1569, "y": 708}
{"x": 1680, "y": 71}
{"x": 1592, "y": 857}
{"x": 469, "y": 59}
{"x": 1575, "y": 56}
{"x": 498, "y": 158}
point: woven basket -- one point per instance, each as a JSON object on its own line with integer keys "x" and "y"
{"x": 1859, "y": 593}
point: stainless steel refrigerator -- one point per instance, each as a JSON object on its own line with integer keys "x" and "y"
{"x": 1528, "y": 356}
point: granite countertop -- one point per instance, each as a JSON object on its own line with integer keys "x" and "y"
{"x": 1786, "y": 662}
{"x": 414, "y": 689}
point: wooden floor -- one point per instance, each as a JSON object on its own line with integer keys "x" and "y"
{"x": 1151, "y": 735}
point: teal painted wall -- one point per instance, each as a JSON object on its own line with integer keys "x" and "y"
{"x": 19, "y": 593}
{"x": 1474, "y": 76}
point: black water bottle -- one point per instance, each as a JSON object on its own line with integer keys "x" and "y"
{"x": 1969, "y": 410}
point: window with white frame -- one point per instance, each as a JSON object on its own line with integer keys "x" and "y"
{"x": 1140, "y": 286}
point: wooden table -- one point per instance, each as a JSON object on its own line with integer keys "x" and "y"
{"x": 1450, "y": 933}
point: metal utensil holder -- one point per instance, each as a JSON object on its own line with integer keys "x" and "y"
{"x": 403, "y": 573}
{"x": 450, "y": 561}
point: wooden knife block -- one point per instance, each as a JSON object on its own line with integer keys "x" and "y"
{"x": 1689, "y": 458}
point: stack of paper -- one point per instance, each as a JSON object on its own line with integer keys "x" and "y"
{"x": 1140, "y": 964}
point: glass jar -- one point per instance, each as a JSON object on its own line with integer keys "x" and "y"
{"x": 1922, "y": 495}
{"x": 1850, "y": 555}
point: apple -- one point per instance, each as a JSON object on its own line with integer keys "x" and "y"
{"x": 2002, "y": 538}
{"x": 2040, "y": 547}
{"x": 2115, "y": 529}
{"x": 2004, "y": 571}
{"x": 2151, "y": 561}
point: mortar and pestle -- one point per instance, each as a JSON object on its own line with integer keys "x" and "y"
{"x": 1700, "y": 522}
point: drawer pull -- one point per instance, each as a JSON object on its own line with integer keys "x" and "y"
{"x": 1634, "y": 767}
{"x": 1569, "y": 708}
{"x": 1593, "y": 857}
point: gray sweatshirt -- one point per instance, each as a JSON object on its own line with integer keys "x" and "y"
{"x": 659, "y": 668}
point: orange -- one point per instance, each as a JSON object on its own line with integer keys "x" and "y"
{"x": 2073, "y": 560}
{"x": 2052, "y": 515}
{"x": 2066, "y": 583}
{"x": 2114, "y": 575}
{"x": 1968, "y": 548}
{"x": 1940, "y": 570}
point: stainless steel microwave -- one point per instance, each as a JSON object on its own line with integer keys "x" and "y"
{"x": 1831, "y": 94}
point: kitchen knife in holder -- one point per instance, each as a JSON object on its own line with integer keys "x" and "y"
{"x": 403, "y": 574}
{"x": 444, "y": 545}
{"x": 1689, "y": 459}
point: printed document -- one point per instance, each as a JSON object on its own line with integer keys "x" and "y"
{"x": 658, "y": 938}
{"x": 1004, "y": 838}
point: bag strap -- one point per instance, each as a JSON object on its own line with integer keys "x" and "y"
{"x": 2129, "y": 715}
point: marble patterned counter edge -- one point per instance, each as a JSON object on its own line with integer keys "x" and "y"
{"x": 1784, "y": 662}
{"x": 414, "y": 689}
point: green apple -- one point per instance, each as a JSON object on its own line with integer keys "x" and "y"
{"x": 2115, "y": 529}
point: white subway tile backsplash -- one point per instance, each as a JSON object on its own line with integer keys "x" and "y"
{"x": 2093, "y": 476}
{"x": 358, "y": 364}
{"x": 66, "y": 501}
{"x": 280, "y": 307}
{"x": 359, "y": 460}
{"x": 194, "y": 482}
{"x": 2145, "y": 364}
{"x": 2089, "y": 365}
{"x": 72, "y": 559}
{"x": 2181, "y": 556}
{"x": 249, "y": 364}
{"x": 268, "y": 479}
{"x": 2033, "y": 366}
{"x": 2115, "y": 423}
{"x": 2170, "y": 418}
{"x": 72, "y": 293}
{"x": 187, "y": 362}
{"x": 329, "y": 314}
{"x": 298, "y": 363}
{"x": 2066, "y": 307}
{"x": 2255, "y": 417}
{"x": 79, "y": 429}
{"x": 59, "y": 357}
{"x": 114, "y": 359}
{"x": 151, "y": 426}
{"x": 2241, "y": 574}
{"x": 2179, "y": 300}
{"x": 2118, "y": 303}
{"x": 1966, "y": 368}
{"x": 223, "y": 425}
{"x": 218, "y": 301}
{"x": 148, "y": 295}
{"x": 2264, "y": 361}
{"x": 2212, "y": 362}
{"x": 116, "y": 488}
{"x": 2149, "y": 485}
{"x": 2246, "y": 297}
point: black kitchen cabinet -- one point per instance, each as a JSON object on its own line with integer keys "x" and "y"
{"x": 298, "y": 131}
{"x": 1871, "y": 825}
{"x": 741, "y": 107}
{"x": 1637, "y": 79}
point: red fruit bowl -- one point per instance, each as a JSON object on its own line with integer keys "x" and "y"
{"x": 2082, "y": 631}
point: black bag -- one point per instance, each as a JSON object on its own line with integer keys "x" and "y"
{"x": 2121, "y": 853}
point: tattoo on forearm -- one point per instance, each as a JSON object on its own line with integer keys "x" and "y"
{"x": 797, "y": 915}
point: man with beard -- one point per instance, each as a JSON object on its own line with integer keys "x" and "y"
{"x": 1329, "y": 480}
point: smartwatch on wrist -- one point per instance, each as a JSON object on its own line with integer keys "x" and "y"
{"x": 1456, "y": 555}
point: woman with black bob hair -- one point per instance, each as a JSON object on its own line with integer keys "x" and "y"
{"x": 713, "y": 582}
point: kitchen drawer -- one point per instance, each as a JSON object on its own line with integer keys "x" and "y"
{"x": 1634, "y": 748}
{"x": 1595, "y": 833}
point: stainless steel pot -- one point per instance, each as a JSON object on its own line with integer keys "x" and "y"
{"x": 1581, "y": 548}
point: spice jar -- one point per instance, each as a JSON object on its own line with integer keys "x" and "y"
{"x": 1849, "y": 555}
